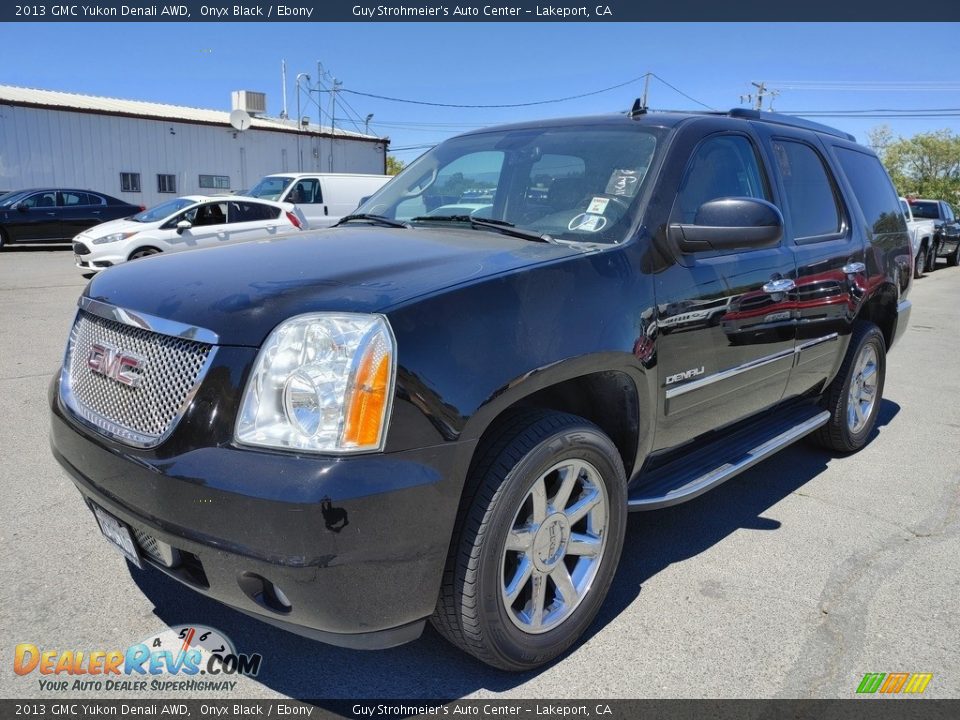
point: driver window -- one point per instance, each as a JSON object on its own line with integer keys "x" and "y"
{"x": 41, "y": 200}
{"x": 723, "y": 166}
{"x": 306, "y": 192}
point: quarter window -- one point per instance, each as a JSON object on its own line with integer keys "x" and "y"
{"x": 810, "y": 196}
{"x": 723, "y": 166}
{"x": 167, "y": 183}
{"x": 873, "y": 190}
{"x": 129, "y": 182}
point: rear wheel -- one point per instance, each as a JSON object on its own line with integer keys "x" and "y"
{"x": 921, "y": 264}
{"x": 537, "y": 542}
{"x": 853, "y": 398}
{"x": 143, "y": 252}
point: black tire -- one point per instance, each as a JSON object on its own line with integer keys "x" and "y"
{"x": 953, "y": 259}
{"x": 842, "y": 433}
{"x": 143, "y": 252}
{"x": 921, "y": 264}
{"x": 932, "y": 258}
{"x": 472, "y": 612}
{"x": 4, "y": 242}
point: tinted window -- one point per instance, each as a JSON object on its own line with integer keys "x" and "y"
{"x": 874, "y": 191}
{"x": 723, "y": 166}
{"x": 251, "y": 212}
{"x": 926, "y": 209}
{"x": 41, "y": 200}
{"x": 809, "y": 190}
{"x": 947, "y": 213}
{"x": 71, "y": 197}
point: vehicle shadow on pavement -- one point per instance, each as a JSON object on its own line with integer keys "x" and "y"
{"x": 657, "y": 539}
{"x": 300, "y": 668}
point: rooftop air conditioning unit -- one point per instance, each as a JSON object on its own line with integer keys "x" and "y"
{"x": 254, "y": 103}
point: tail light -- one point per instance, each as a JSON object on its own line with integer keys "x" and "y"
{"x": 143, "y": 208}
{"x": 294, "y": 220}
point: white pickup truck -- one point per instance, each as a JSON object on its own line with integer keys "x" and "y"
{"x": 921, "y": 238}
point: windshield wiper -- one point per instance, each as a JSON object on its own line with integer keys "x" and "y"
{"x": 502, "y": 226}
{"x": 375, "y": 219}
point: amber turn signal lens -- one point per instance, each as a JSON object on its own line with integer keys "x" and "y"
{"x": 368, "y": 397}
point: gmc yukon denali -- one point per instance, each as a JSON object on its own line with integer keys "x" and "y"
{"x": 444, "y": 408}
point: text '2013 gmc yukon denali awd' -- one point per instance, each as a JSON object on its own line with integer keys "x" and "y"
{"x": 445, "y": 407}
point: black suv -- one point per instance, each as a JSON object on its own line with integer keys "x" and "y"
{"x": 445, "y": 407}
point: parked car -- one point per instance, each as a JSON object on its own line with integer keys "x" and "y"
{"x": 185, "y": 223}
{"x": 448, "y": 417}
{"x": 46, "y": 215}
{"x": 922, "y": 234}
{"x": 324, "y": 198}
{"x": 947, "y": 238}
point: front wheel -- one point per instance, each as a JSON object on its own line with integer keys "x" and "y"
{"x": 853, "y": 398}
{"x": 143, "y": 252}
{"x": 953, "y": 259}
{"x": 3, "y": 239}
{"x": 537, "y": 542}
{"x": 932, "y": 258}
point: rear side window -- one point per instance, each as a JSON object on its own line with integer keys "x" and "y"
{"x": 723, "y": 166}
{"x": 251, "y": 212}
{"x": 809, "y": 190}
{"x": 874, "y": 191}
{"x": 78, "y": 198}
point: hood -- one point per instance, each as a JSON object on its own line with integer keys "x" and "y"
{"x": 241, "y": 292}
{"x": 115, "y": 226}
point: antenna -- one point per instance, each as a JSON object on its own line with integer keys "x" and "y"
{"x": 240, "y": 120}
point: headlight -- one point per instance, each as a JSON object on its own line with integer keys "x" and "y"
{"x": 115, "y": 237}
{"x": 323, "y": 382}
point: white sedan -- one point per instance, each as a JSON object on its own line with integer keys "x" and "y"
{"x": 192, "y": 221}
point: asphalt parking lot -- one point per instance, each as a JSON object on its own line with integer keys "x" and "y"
{"x": 791, "y": 580}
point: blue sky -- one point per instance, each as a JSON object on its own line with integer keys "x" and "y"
{"x": 198, "y": 64}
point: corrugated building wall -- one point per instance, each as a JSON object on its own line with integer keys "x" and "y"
{"x": 45, "y": 142}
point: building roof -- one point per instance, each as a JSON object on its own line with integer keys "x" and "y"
{"x": 54, "y": 99}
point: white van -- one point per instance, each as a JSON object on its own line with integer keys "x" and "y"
{"x": 323, "y": 198}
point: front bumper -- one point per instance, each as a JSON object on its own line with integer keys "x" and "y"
{"x": 356, "y": 545}
{"x": 948, "y": 246}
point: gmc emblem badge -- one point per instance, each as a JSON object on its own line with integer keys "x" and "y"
{"x": 116, "y": 364}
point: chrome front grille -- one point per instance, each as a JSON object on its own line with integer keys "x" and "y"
{"x": 143, "y": 414}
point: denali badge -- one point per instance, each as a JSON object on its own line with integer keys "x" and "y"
{"x": 685, "y": 375}
{"x": 116, "y": 364}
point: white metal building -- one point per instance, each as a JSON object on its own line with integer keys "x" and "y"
{"x": 146, "y": 152}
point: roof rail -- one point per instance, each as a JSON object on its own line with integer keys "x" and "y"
{"x": 789, "y": 120}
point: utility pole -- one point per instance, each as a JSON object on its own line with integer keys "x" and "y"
{"x": 333, "y": 117}
{"x": 762, "y": 92}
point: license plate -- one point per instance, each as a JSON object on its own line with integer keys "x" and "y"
{"x": 118, "y": 534}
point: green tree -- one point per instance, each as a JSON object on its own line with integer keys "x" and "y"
{"x": 394, "y": 165}
{"x": 925, "y": 165}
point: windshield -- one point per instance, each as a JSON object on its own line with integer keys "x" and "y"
{"x": 10, "y": 198}
{"x": 163, "y": 210}
{"x": 579, "y": 183}
{"x": 270, "y": 188}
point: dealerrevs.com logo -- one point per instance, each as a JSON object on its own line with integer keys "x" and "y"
{"x": 184, "y": 657}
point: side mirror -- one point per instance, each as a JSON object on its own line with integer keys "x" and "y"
{"x": 22, "y": 207}
{"x": 729, "y": 224}
{"x": 183, "y": 225}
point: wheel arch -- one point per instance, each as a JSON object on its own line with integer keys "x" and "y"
{"x": 613, "y": 398}
{"x": 138, "y": 248}
{"x": 881, "y": 310}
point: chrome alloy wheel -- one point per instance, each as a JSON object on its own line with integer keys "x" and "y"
{"x": 863, "y": 389}
{"x": 555, "y": 546}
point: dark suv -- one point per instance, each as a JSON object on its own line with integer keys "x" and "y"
{"x": 420, "y": 415}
